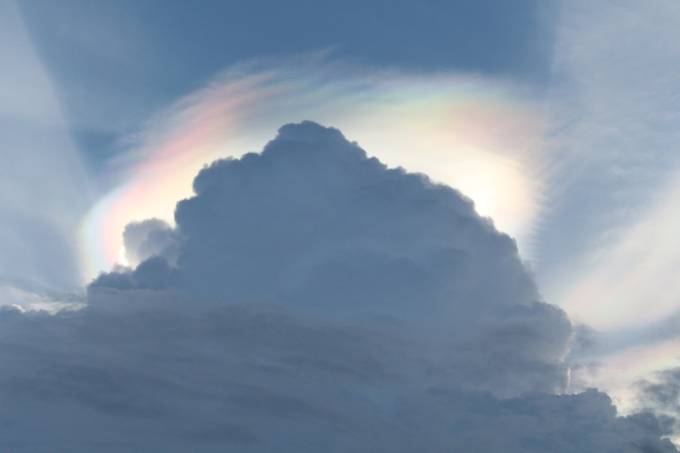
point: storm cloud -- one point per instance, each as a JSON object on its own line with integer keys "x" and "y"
{"x": 308, "y": 299}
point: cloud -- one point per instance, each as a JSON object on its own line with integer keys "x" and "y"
{"x": 475, "y": 133}
{"x": 245, "y": 378}
{"x": 148, "y": 238}
{"x": 613, "y": 141}
{"x": 43, "y": 183}
{"x": 332, "y": 231}
{"x": 663, "y": 392}
{"x": 167, "y": 376}
{"x": 87, "y": 48}
{"x": 317, "y": 301}
{"x": 659, "y": 393}
{"x": 607, "y": 247}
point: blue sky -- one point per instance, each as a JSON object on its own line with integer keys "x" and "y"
{"x": 549, "y": 236}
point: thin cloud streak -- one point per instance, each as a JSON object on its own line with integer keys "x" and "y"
{"x": 44, "y": 187}
{"x": 607, "y": 245}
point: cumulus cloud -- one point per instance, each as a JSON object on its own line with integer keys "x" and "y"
{"x": 312, "y": 300}
{"x": 315, "y": 224}
{"x": 491, "y": 129}
{"x": 148, "y": 238}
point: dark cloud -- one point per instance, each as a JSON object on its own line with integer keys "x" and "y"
{"x": 312, "y": 300}
{"x": 314, "y": 224}
{"x": 149, "y": 238}
{"x": 660, "y": 395}
{"x": 159, "y": 374}
{"x": 664, "y": 391}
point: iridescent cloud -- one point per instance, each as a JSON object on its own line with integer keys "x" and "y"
{"x": 477, "y": 135}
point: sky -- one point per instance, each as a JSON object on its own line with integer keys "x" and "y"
{"x": 240, "y": 224}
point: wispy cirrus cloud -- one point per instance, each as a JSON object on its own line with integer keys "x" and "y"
{"x": 612, "y": 150}
{"x": 607, "y": 246}
{"x": 43, "y": 182}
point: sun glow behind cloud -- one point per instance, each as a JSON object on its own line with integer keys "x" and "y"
{"x": 477, "y": 135}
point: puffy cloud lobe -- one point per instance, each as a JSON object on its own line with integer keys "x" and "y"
{"x": 660, "y": 395}
{"x": 664, "y": 391}
{"x": 149, "y": 238}
{"x": 314, "y": 300}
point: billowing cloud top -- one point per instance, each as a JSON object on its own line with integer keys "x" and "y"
{"x": 309, "y": 299}
{"x": 314, "y": 224}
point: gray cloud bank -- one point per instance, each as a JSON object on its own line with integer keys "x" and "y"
{"x": 309, "y": 299}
